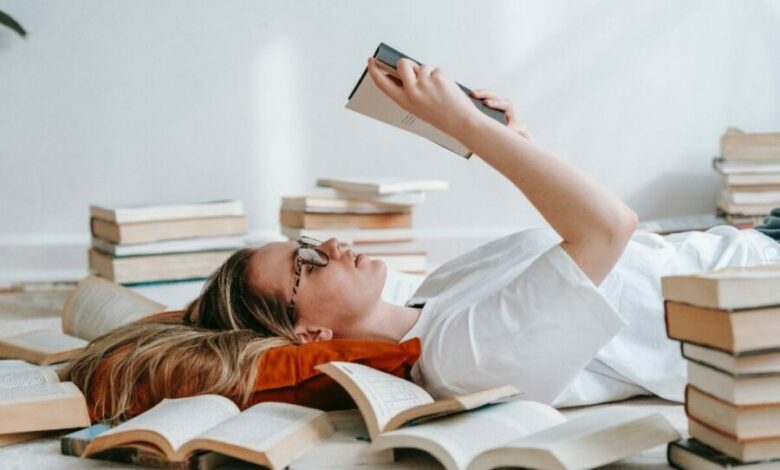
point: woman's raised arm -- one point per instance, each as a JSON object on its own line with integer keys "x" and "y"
{"x": 595, "y": 225}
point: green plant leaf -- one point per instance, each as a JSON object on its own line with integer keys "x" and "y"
{"x": 11, "y": 23}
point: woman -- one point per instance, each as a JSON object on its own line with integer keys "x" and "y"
{"x": 571, "y": 314}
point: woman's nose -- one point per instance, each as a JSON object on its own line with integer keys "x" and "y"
{"x": 331, "y": 247}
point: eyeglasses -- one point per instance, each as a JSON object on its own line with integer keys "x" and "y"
{"x": 307, "y": 253}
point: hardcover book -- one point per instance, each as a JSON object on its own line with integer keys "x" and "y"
{"x": 367, "y": 99}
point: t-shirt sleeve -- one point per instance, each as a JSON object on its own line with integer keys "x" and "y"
{"x": 536, "y": 333}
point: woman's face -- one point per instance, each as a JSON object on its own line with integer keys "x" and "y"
{"x": 336, "y": 297}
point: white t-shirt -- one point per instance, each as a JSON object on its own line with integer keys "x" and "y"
{"x": 519, "y": 311}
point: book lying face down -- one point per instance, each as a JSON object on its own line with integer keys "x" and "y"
{"x": 367, "y": 99}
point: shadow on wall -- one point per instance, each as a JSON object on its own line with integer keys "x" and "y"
{"x": 673, "y": 194}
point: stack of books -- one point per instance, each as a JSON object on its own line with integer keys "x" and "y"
{"x": 750, "y": 169}
{"x": 729, "y": 325}
{"x": 149, "y": 244}
{"x": 372, "y": 216}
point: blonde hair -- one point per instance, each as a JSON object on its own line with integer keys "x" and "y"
{"x": 213, "y": 348}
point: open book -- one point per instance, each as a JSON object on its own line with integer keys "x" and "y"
{"x": 33, "y": 399}
{"x": 387, "y": 402}
{"x": 493, "y": 432}
{"x": 367, "y": 99}
{"x": 268, "y": 434}
{"x": 95, "y": 307}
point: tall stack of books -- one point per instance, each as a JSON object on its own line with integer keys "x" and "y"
{"x": 372, "y": 216}
{"x": 750, "y": 169}
{"x": 149, "y": 244}
{"x": 729, "y": 325}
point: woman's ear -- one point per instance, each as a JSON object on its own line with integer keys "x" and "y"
{"x": 311, "y": 334}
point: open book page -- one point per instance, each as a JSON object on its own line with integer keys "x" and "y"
{"x": 587, "y": 441}
{"x": 455, "y": 440}
{"x": 379, "y": 395}
{"x": 24, "y": 377}
{"x": 98, "y": 306}
{"x": 34, "y": 392}
{"x": 46, "y": 341}
{"x": 262, "y": 428}
{"x": 176, "y": 420}
{"x": 348, "y": 446}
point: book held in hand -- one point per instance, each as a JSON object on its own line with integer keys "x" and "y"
{"x": 268, "y": 434}
{"x": 367, "y": 99}
{"x": 511, "y": 432}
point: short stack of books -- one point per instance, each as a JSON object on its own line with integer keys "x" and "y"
{"x": 132, "y": 245}
{"x": 372, "y": 216}
{"x": 750, "y": 169}
{"x": 729, "y": 324}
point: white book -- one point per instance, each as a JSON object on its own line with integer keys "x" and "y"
{"x": 736, "y": 167}
{"x": 734, "y": 196}
{"x": 148, "y": 213}
{"x": 744, "y": 389}
{"x": 765, "y": 363}
{"x": 381, "y": 185}
{"x": 363, "y": 235}
{"x": 749, "y": 179}
{"x": 367, "y": 99}
{"x": 491, "y": 428}
{"x": 332, "y": 197}
{"x": 190, "y": 245}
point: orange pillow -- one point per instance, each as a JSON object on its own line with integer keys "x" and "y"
{"x": 285, "y": 373}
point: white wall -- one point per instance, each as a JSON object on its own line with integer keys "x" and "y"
{"x": 126, "y": 102}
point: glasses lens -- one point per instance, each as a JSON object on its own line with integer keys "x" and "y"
{"x": 313, "y": 256}
{"x": 309, "y": 241}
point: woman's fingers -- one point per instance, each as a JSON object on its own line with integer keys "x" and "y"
{"x": 407, "y": 71}
{"x": 483, "y": 94}
{"x": 499, "y": 104}
{"x": 386, "y": 83}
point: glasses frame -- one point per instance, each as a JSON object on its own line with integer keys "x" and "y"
{"x": 306, "y": 253}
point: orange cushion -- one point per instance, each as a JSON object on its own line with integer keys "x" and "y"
{"x": 284, "y": 374}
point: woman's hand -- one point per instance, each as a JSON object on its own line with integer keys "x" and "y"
{"x": 492, "y": 100}
{"x": 427, "y": 93}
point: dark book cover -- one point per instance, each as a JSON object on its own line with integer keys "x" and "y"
{"x": 389, "y": 56}
{"x": 713, "y": 456}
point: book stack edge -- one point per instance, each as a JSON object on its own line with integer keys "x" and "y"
{"x": 372, "y": 216}
{"x": 728, "y": 322}
{"x": 749, "y": 164}
{"x": 164, "y": 243}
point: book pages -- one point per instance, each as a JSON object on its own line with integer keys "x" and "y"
{"x": 15, "y": 364}
{"x": 182, "y": 419}
{"x": 25, "y": 377}
{"x": 46, "y": 341}
{"x": 387, "y": 394}
{"x": 262, "y": 426}
{"x": 98, "y": 306}
{"x": 42, "y": 391}
{"x": 456, "y": 439}
{"x": 399, "y": 287}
